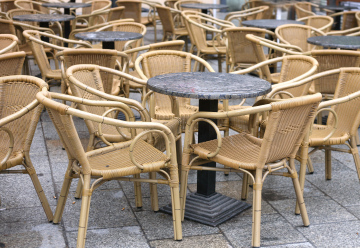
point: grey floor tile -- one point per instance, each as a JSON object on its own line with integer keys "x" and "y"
{"x": 27, "y": 214}
{"x": 355, "y": 210}
{"x": 210, "y": 241}
{"x": 297, "y": 245}
{"x": 130, "y": 236}
{"x": 342, "y": 234}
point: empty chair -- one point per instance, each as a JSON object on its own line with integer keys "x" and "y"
{"x": 20, "y": 113}
{"x": 115, "y": 162}
{"x": 255, "y": 157}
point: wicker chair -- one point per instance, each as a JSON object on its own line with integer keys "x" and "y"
{"x": 102, "y": 57}
{"x": 267, "y": 14}
{"x": 38, "y": 47}
{"x": 348, "y": 19}
{"x": 115, "y": 162}
{"x": 322, "y": 23}
{"x": 347, "y": 32}
{"x": 161, "y": 62}
{"x": 297, "y": 35}
{"x": 8, "y": 43}
{"x": 248, "y": 14}
{"x": 255, "y": 157}
{"x": 133, "y": 10}
{"x": 36, "y": 5}
{"x": 19, "y": 117}
{"x": 357, "y": 16}
{"x": 89, "y": 20}
{"x": 176, "y": 45}
{"x": 198, "y": 33}
{"x": 116, "y": 14}
{"x": 178, "y": 4}
{"x": 342, "y": 123}
{"x": 304, "y": 9}
{"x": 11, "y": 63}
{"x": 169, "y": 29}
{"x": 240, "y": 53}
{"x": 170, "y": 3}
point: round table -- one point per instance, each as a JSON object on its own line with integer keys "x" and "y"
{"x": 204, "y": 6}
{"x": 108, "y": 37}
{"x": 66, "y": 7}
{"x": 44, "y": 20}
{"x": 270, "y": 24}
{"x": 208, "y": 87}
{"x": 343, "y": 42}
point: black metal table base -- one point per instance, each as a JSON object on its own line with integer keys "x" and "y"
{"x": 212, "y": 210}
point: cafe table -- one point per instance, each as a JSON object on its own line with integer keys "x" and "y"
{"x": 204, "y": 6}
{"x": 108, "y": 38}
{"x": 45, "y": 19}
{"x": 206, "y": 205}
{"x": 66, "y": 7}
{"x": 342, "y": 42}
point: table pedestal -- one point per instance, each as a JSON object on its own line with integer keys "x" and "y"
{"x": 44, "y": 25}
{"x": 108, "y": 45}
{"x": 206, "y": 206}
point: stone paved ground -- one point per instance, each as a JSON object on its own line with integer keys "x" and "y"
{"x": 333, "y": 206}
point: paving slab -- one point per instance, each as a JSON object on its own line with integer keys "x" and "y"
{"x": 211, "y": 241}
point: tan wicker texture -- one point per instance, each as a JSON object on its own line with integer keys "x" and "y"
{"x": 348, "y": 19}
{"x": 248, "y": 14}
{"x": 116, "y": 14}
{"x": 289, "y": 121}
{"x": 267, "y": 14}
{"x": 322, "y": 23}
{"x": 304, "y": 9}
{"x": 6, "y": 5}
{"x": 11, "y": 63}
{"x": 20, "y": 113}
{"x": 8, "y": 43}
{"x": 113, "y": 162}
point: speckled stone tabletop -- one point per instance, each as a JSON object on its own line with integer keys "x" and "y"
{"x": 335, "y": 8}
{"x": 269, "y": 23}
{"x": 203, "y": 6}
{"x": 66, "y": 5}
{"x": 43, "y": 18}
{"x": 209, "y": 85}
{"x": 344, "y": 42}
{"x": 108, "y": 36}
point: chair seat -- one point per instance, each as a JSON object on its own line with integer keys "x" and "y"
{"x": 15, "y": 159}
{"x": 134, "y": 85}
{"x": 320, "y": 131}
{"x": 181, "y": 31}
{"x": 54, "y": 74}
{"x": 237, "y": 151}
{"x": 211, "y": 50}
{"x": 118, "y": 162}
{"x": 145, "y": 20}
{"x": 27, "y": 49}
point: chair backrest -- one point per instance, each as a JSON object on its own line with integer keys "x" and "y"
{"x": 288, "y": 122}
{"x": 333, "y": 59}
{"x": 297, "y": 35}
{"x": 267, "y": 14}
{"x": 198, "y": 34}
{"x": 322, "y": 23}
{"x": 178, "y": 4}
{"x": 166, "y": 19}
{"x": 17, "y": 93}
{"x": 11, "y": 63}
{"x": 349, "y": 20}
{"x": 357, "y": 17}
{"x": 248, "y": 14}
{"x": 116, "y": 13}
{"x": 98, "y": 5}
{"x": 6, "y": 5}
{"x": 8, "y": 43}
{"x": 27, "y": 4}
{"x": 176, "y": 45}
{"x": 133, "y": 9}
{"x": 170, "y": 3}
{"x": 7, "y": 27}
{"x": 303, "y": 9}
{"x": 349, "y": 112}
{"x": 165, "y": 61}
{"x": 240, "y": 49}
{"x": 100, "y": 57}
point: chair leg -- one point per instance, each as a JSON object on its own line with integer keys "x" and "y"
{"x": 154, "y": 193}
{"x": 219, "y": 63}
{"x": 304, "y": 157}
{"x": 179, "y": 154}
{"x": 84, "y": 212}
{"x": 183, "y": 182}
{"x": 299, "y": 194}
{"x": 310, "y": 167}
{"x": 137, "y": 190}
{"x": 327, "y": 163}
{"x": 78, "y": 190}
{"x": 357, "y": 138}
{"x": 257, "y": 188}
{"x": 63, "y": 194}
{"x": 39, "y": 190}
{"x": 355, "y": 153}
{"x": 175, "y": 203}
{"x": 245, "y": 187}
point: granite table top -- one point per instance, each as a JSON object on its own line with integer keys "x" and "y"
{"x": 43, "y": 18}
{"x": 204, "y": 6}
{"x": 209, "y": 85}
{"x": 66, "y": 5}
{"x": 108, "y": 36}
{"x": 269, "y": 23}
{"x": 335, "y": 7}
{"x": 344, "y": 42}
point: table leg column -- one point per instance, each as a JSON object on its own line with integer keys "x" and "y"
{"x": 44, "y": 25}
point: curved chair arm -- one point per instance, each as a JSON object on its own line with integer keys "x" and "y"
{"x": 313, "y": 30}
{"x": 9, "y": 47}
{"x": 274, "y": 45}
{"x": 28, "y": 26}
{"x": 11, "y": 145}
{"x": 327, "y": 26}
{"x": 344, "y": 32}
{"x": 334, "y": 126}
{"x": 306, "y": 11}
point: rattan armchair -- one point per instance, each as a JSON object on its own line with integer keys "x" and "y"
{"x": 240, "y": 53}
{"x": 116, "y": 13}
{"x": 322, "y": 23}
{"x": 115, "y": 162}
{"x": 297, "y": 35}
{"x": 36, "y": 5}
{"x": 348, "y": 19}
{"x": 102, "y": 57}
{"x": 248, "y": 14}
{"x": 133, "y": 10}
{"x": 89, "y": 20}
{"x": 255, "y": 157}
{"x": 38, "y": 47}
{"x": 11, "y": 63}
{"x": 176, "y": 45}
{"x": 6, "y": 5}
{"x": 19, "y": 117}
{"x": 267, "y": 14}
{"x": 304, "y": 9}
{"x": 161, "y": 62}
